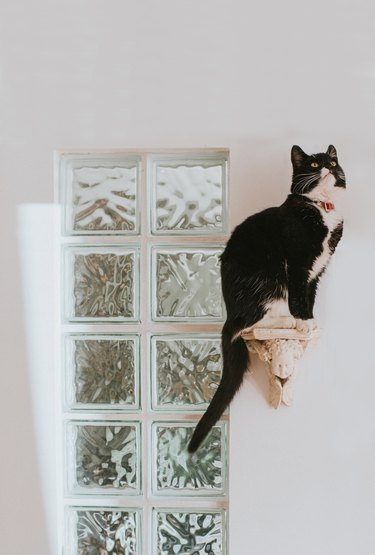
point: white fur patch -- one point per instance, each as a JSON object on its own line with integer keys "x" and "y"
{"x": 277, "y": 315}
{"x": 325, "y": 191}
{"x": 275, "y": 309}
{"x": 331, "y": 219}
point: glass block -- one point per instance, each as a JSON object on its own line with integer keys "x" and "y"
{"x": 102, "y": 372}
{"x": 186, "y": 283}
{"x": 103, "y": 530}
{"x": 101, "y": 284}
{"x": 103, "y": 457}
{"x": 185, "y": 371}
{"x": 177, "y": 472}
{"x": 100, "y": 193}
{"x": 197, "y": 532}
{"x": 189, "y": 194}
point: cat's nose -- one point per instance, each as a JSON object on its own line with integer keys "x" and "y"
{"x": 325, "y": 171}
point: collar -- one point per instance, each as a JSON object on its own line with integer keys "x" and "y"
{"x": 327, "y": 206}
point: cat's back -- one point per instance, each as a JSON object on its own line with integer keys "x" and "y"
{"x": 257, "y": 237}
{"x": 256, "y": 228}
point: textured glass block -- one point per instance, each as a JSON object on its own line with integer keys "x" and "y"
{"x": 101, "y": 283}
{"x": 100, "y": 193}
{"x": 186, "y": 371}
{"x": 186, "y": 283}
{"x": 102, "y": 372}
{"x": 198, "y": 532}
{"x": 103, "y": 531}
{"x": 103, "y": 457}
{"x": 189, "y": 195}
{"x": 176, "y": 472}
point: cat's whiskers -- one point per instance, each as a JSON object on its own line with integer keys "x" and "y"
{"x": 303, "y": 176}
{"x": 303, "y": 184}
{"x": 307, "y": 184}
{"x": 306, "y": 177}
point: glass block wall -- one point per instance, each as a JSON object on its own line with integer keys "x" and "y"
{"x": 141, "y": 313}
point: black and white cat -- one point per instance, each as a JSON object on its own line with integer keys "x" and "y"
{"x": 272, "y": 265}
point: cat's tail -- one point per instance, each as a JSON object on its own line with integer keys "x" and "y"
{"x": 235, "y": 363}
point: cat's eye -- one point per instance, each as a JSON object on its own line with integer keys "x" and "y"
{"x": 314, "y": 165}
{"x": 333, "y": 163}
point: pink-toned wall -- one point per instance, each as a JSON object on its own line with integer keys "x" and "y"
{"x": 255, "y": 77}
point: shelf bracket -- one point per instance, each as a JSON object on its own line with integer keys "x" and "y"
{"x": 280, "y": 348}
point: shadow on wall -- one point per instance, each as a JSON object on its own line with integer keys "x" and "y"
{"x": 23, "y": 526}
{"x": 36, "y": 244}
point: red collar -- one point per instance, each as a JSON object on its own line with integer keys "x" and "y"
{"x": 328, "y": 206}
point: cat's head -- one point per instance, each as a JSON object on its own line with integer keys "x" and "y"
{"x": 316, "y": 176}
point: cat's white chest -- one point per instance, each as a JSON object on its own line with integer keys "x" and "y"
{"x": 331, "y": 220}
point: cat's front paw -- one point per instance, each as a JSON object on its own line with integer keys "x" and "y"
{"x": 289, "y": 322}
{"x": 306, "y": 326}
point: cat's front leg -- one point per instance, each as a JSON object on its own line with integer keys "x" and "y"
{"x": 312, "y": 287}
{"x": 299, "y": 300}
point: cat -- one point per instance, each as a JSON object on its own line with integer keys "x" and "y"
{"x": 271, "y": 267}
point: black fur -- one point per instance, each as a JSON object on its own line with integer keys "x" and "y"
{"x": 269, "y": 257}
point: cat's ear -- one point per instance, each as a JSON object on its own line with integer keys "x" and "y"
{"x": 331, "y": 151}
{"x": 298, "y": 156}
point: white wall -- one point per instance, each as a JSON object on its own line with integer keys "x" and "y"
{"x": 254, "y": 77}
